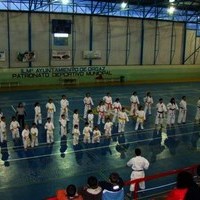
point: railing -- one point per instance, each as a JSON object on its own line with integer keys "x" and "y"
{"x": 192, "y": 169}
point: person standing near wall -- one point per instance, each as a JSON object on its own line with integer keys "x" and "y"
{"x": 138, "y": 165}
{"x": 182, "y": 110}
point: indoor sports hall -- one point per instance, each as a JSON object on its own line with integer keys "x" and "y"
{"x": 72, "y": 49}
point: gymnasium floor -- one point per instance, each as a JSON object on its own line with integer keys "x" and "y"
{"x": 39, "y": 172}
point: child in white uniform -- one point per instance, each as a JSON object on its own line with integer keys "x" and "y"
{"x": 26, "y": 137}
{"x": 148, "y": 100}
{"x": 49, "y": 127}
{"x": 134, "y": 104}
{"x": 141, "y": 117}
{"x": 108, "y": 103}
{"x": 171, "y": 112}
{"x": 51, "y": 109}
{"x": 3, "y": 132}
{"x": 90, "y": 119}
{"x": 88, "y": 103}
{"x": 86, "y": 133}
{"x": 122, "y": 119}
{"x": 160, "y": 115}
{"x": 117, "y": 107}
{"x": 182, "y": 111}
{"x": 108, "y": 128}
{"x": 96, "y": 135}
{"x": 14, "y": 127}
{"x": 75, "y": 118}
{"x": 64, "y": 107}
{"x": 63, "y": 125}
{"x": 38, "y": 114}
{"x": 76, "y": 134}
{"x": 101, "y": 109}
{"x": 34, "y": 135}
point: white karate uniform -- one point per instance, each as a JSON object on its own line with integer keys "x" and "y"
{"x": 75, "y": 119}
{"x": 171, "y": 113}
{"x": 122, "y": 119}
{"x": 64, "y": 105}
{"x": 117, "y": 107}
{"x": 90, "y": 119}
{"x": 140, "y": 114}
{"x": 63, "y": 127}
{"x": 49, "y": 127}
{"x": 96, "y": 136}
{"x": 148, "y": 102}
{"x": 38, "y": 115}
{"x": 86, "y": 134}
{"x": 182, "y": 112}
{"x": 101, "y": 113}
{"x": 160, "y": 115}
{"x": 14, "y": 127}
{"x": 76, "y": 134}
{"x": 108, "y": 129}
{"x": 108, "y": 103}
{"x": 134, "y": 104}
{"x": 138, "y": 165}
{"x": 26, "y": 138}
{"x": 51, "y": 109}
{"x": 34, "y": 136}
{"x": 88, "y": 102}
{"x": 3, "y": 133}
{"x": 197, "y": 117}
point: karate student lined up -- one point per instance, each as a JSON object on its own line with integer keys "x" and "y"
{"x": 90, "y": 118}
{"x": 63, "y": 125}
{"x": 140, "y": 118}
{"x": 88, "y": 103}
{"x": 182, "y": 110}
{"x": 3, "y": 132}
{"x": 108, "y": 128}
{"x": 96, "y": 135}
{"x": 26, "y": 137}
{"x": 49, "y": 127}
{"x": 75, "y": 118}
{"x": 117, "y": 107}
{"x": 171, "y": 112}
{"x": 14, "y": 128}
{"x": 134, "y": 104}
{"x": 160, "y": 114}
{"x": 122, "y": 119}
{"x": 108, "y": 103}
{"x": 38, "y": 114}
{"x": 86, "y": 133}
{"x": 51, "y": 109}
{"x": 34, "y": 135}
{"x": 101, "y": 109}
{"x": 75, "y": 134}
{"x": 64, "y": 107}
{"x": 148, "y": 101}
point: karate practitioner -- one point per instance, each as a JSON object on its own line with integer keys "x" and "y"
{"x": 148, "y": 100}
{"x": 171, "y": 112}
{"x": 90, "y": 119}
{"x": 63, "y": 125}
{"x": 108, "y": 128}
{"x": 134, "y": 104}
{"x": 122, "y": 119}
{"x": 88, "y": 103}
{"x": 14, "y": 127}
{"x": 38, "y": 114}
{"x": 64, "y": 107}
{"x": 51, "y": 109}
{"x": 76, "y": 134}
{"x": 96, "y": 135}
{"x": 49, "y": 127}
{"x": 182, "y": 111}
{"x": 75, "y": 118}
{"x": 108, "y": 103}
{"x": 26, "y": 137}
{"x": 86, "y": 133}
{"x": 34, "y": 135}
{"x": 160, "y": 115}
{"x": 117, "y": 107}
{"x": 140, "y": 118}
{"x": 138, "y": 165}
{"x": 101, "y": 109}
{"x": 3, "y": 132}
{"x": 197, "y": 117}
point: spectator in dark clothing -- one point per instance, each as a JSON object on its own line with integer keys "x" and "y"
{"x": 93, "y": 191}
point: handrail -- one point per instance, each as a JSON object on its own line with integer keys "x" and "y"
{"x": 156, "y": 176}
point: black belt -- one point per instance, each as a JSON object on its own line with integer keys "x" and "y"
{"x": 160, "y": 112}
{"x": 138, "y": 170}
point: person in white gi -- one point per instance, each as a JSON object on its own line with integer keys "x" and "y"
{"x": 140, "y": 118}
{"x": 108, "y": 103}
{"x": 96, "y": 135}
{"x": 117, "y": 107}
{"x": 64, "y": 107}
{"x": 197, "y": 117}
{"x": 34, "y": 135}
{"x": 88, "y": 103}
{"x": 122, "y": 119}
{"x": 14, "y": 127}
{"x": 108, "y": 128}
{"x": 38, "y": 114}
{"x": 171, "y": 112}
{"x": 75, "y": 118}
{"x": 182, "y": 110}
{"x": 3, "y": 132}
{"x": 86, "y": 133}
{"x": 51, "y": 109}
{"x": 134, "y": 104}
{"x": 76, "y": 134}
{"x": 160, "y": 115}
{"x": 90, "y": 119}
{"x": 1, "y": 114}
{"x": 63, "y": 125}
{"x": 26, "y": 137}
{"x": 49, "y": 127}
{"x": 148, "y": 101}
{"x": 101, "y": 109}
{"x": 138, "y": 165}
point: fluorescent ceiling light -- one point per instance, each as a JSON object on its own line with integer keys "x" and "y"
{"x": 171, "y": 10}
{"x": 171, "y": 1}
{"x": 123, "y": 5}
{"x": 63, "y": 35}
{"x": 65, "y": 2}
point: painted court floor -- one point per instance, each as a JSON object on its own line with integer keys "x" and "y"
{"x": 40, "y": 171}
